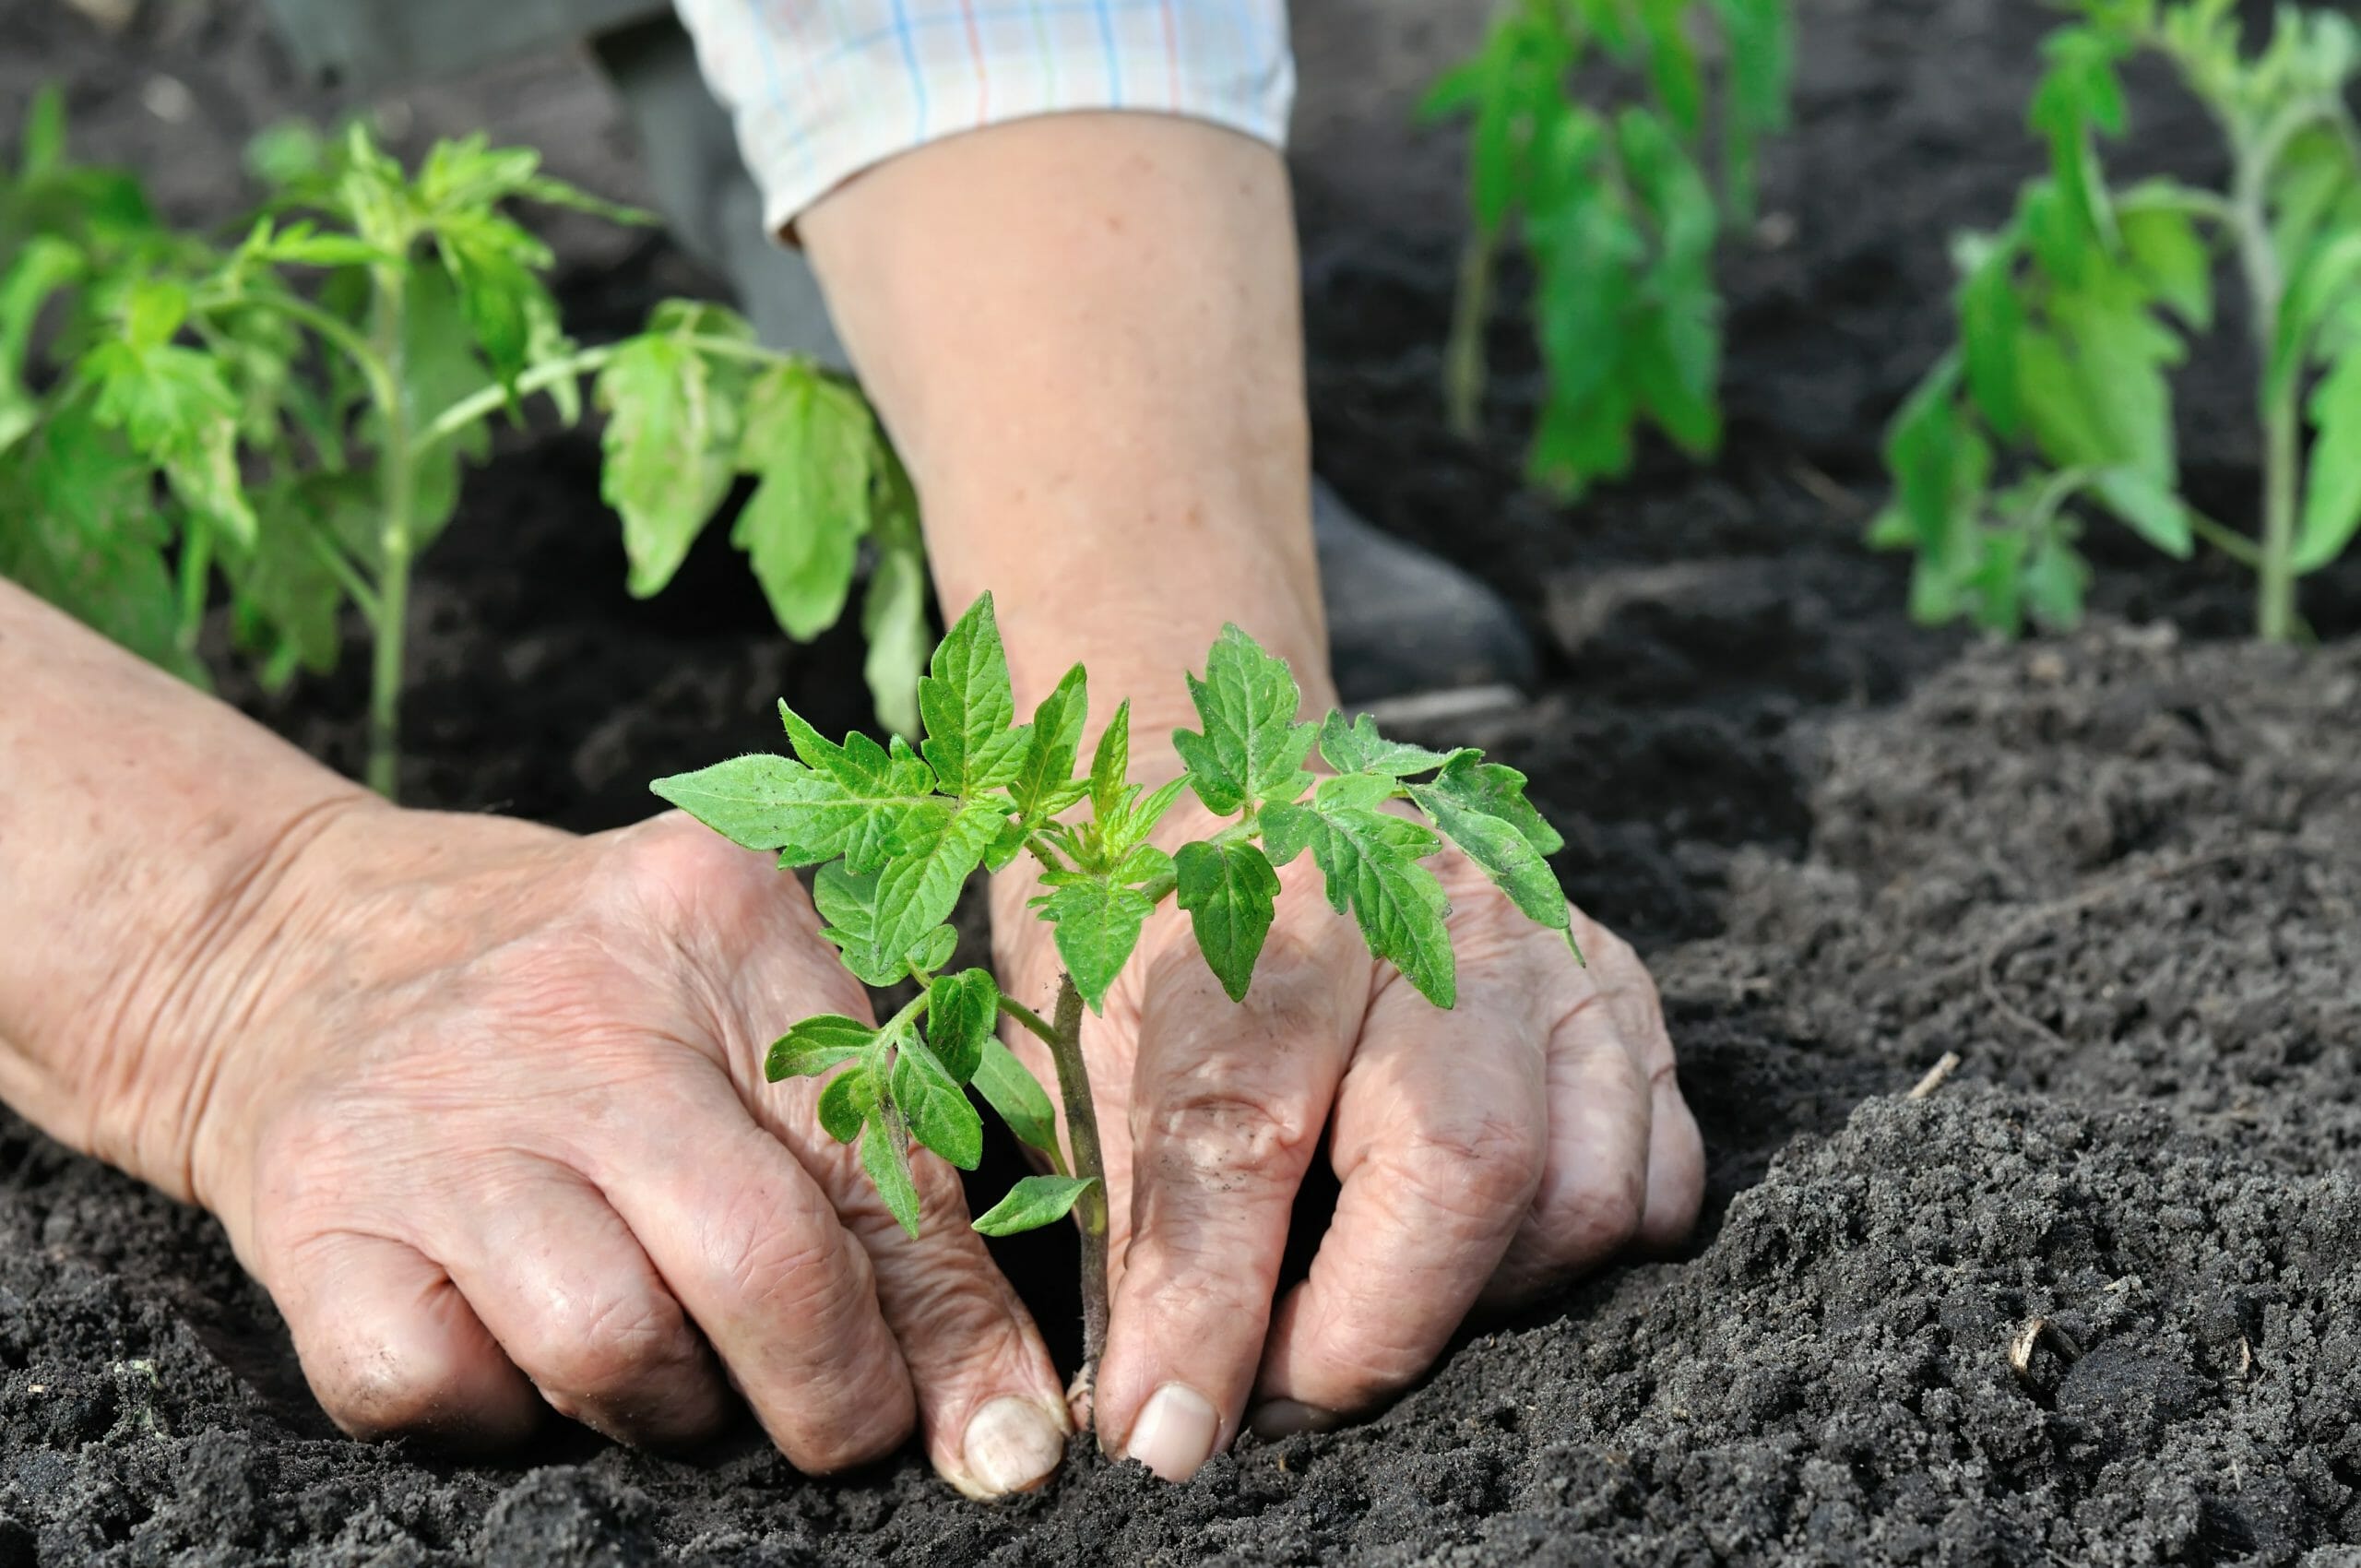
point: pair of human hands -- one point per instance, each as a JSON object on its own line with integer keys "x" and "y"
{"x": 492, "y": 1131}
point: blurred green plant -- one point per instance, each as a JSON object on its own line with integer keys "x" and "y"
{"x": 2058, "y": 404}
{"x": 1617, "y": 213}
{"x": 291, "y": 412}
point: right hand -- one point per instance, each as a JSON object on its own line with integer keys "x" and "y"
{"x": 488, "y": 1120}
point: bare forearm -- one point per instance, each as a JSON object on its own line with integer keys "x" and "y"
{"x": 1083, "y": 331}
{"x": 141, "y": 824}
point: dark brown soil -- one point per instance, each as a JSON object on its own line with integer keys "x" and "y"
{"x": 2119, "y": 875}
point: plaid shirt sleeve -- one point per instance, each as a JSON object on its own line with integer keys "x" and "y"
{"x": 823, "y": 88}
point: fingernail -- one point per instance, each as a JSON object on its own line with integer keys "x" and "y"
{"x": 1011, "y": 1444}
{"x": 1285, "y": 1418}
{"x": 1173, "y": 1434}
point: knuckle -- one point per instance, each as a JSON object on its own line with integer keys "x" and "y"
{"x": 376, "y": 1388}
{"x": 780, "y": 1270}
{"x": 1587, "y": 1215}
{"x": 1476, "y": 1166}
{"x": 863, "y": 1437}
{"x": 595, "y": 1346}
{"x": 1217, "y": 1124}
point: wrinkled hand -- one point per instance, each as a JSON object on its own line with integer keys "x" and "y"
{"x": 494, "y": 1135}
{"x": 1485, "y": 1153}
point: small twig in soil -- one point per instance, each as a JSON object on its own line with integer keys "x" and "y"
{"x": 1945, "y": 1065}
{"x": 2029, "y": 1339}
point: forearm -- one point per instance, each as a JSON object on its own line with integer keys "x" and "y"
{"x": 1082, "y": 333}
{"x": 143, "y": 827}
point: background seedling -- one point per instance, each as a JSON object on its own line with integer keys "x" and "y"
{"x": 2058, "y": 400}
{"x": 1616, "y": 212}
{"x": 895, "y": 832}
{"x": 308, "y": 398}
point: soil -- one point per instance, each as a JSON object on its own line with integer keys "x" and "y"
{"x": 2117, "y": 874}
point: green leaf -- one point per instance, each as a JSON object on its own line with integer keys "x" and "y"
{"x": 885, "y": 1155}
{"x": 816, "y": 1044}
{"x": 930, "y": 1097}
{"x": 1230, "y": 892}
{"x": 1044, "y": 784}
{"x": 90, "y": 542}
{"x": 2168, "y": 252}
{"x": 849, "y": 1099}
{"x": 1033, "y": 1203}
{"x": 1463, "y": 810}
{"x": 41, "y": 148}
{"x": 1992, "y": 319}
{"x": 961, "y": 1012}
{"x": 1370, "y": 863}
{"x": 1111, "y": 765}
{"x": 1097, "y": 925}
{"x": 1358, "y": 748}
{"x": 1121, "y": 834}
{"x": 1286, "y": 831}
{"x": 893, "y": 622}
{"x": 1251, "y": 749}
{"x": 1015, "y": 1096}
{"x": 970, "y": 708}
{"x": 2332, "y": 484}
{"x": 881, "y": 922}
{"x": 2055, "y": 579}
{"x": 179, "y": 414}
{"x": 2152, "y": 510}
{"x": 861, "y": 804}
{"x": 812, "y": 442}
{"x": 668, "y": 452}
{"x": 1497, "y": 789}
{"x": 494, "y": 263}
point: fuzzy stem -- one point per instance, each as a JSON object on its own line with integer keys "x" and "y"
{"x": 2276, "y": 584}
{"x": 196, "y": 571}
{"x": 1065, "y": 1040}
{"x": 2267, "y": 287}
{"x": 1462, "y": 355}
{"x": 397, "y": 474}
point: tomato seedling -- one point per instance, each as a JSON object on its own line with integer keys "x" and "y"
{"x": 895, "y": 832}
{"x": 309, "y": 395}
{"x": 2058, "y": 400}
{"x": 1618, "y": 216}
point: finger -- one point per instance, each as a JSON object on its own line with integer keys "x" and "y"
{"x": 392, "y": 1348}
{"x": 990, "y": 1406}
{"x": 565, "y": 1289}
{"x": 1626, "y": 1163}
{"x": 747, "y": 1243}
{"x": 1440, "y": 1144}
{"x": 1228, "y": 1104}
{"x": 1594, "y": 1189}
{"x": 1676, "y": 1170}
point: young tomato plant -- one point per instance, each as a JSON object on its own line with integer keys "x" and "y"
{"x": 1618, "y": 214}
{"x": 309, "y": 395}
{"x": 895, "y": 832}
{"x": 2058, "y": 400}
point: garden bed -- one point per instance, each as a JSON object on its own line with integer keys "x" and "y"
{"x": 2119, "y": 875}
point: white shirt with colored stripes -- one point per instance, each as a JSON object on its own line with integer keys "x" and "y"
{"x": 823, "y": 88}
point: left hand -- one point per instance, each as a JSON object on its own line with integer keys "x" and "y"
{"x": 1486, "y": 1154}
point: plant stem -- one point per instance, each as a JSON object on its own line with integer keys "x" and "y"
{"x": 1063, "y": 1038}
{"x": 582, "y": 362}
{"x": 1463, "y": 354}
{"x": 196, "y": 569}
{"x": 2276, "y": 584}
{"x": 397, "y": 474}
